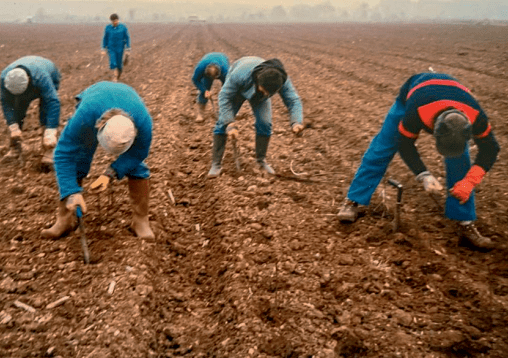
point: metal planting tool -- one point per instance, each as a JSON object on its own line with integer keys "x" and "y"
{"x": 396, "y": 221}
{"x": 84, "y": 244}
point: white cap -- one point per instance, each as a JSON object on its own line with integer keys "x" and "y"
{"x": 16, "y": 81}
{"x": 117, "y": 135}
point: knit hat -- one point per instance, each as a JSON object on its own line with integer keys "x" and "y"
{"x": 117, "y": 135}
{"x": 16, "y": 81}
{"x": 452, "y": 130}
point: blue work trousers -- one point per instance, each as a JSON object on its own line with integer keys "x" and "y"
{"x": 262, "y": 112}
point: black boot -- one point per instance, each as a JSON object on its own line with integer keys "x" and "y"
{"x": 219, "y": 145}
{"x": 261, "y": 148}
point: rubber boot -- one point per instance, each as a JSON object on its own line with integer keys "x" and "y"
{"x": 116, "y": 75}
{"x": 15, "y": 151}
{"x": 48, "y": 147}
{"x": 65, "y": 222}
{"x": 261, "y": 148}
{"x": 201, "y": 112}
{"x": 139, "y": 191}
{"x": 47, "y": 157}
{"x": 219, "y": 145}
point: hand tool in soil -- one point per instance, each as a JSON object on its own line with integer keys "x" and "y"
{"x": 216, "y": 114}
{"x": 84, "y": 244}
{"x": 236, "y": 155}
{"x": 213, "y": 105}
{"x": 398, "y": 186}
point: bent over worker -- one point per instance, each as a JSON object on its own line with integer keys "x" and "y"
{"x": 24, "y": 80}
{"x": 114, "y": 116}
{"x": 212, "y": 66}
{"x": 440, "y": 105}
{"x": 116, "y": 39}
{"x": 256, "y": 80}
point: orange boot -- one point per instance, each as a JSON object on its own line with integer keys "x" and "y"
{"x": 65, "y": 223}
{"x": 139, "y": 190}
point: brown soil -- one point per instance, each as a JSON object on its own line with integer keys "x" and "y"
{"x": 248, "y": 265}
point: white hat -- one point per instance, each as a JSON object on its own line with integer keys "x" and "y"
{"x": 117, "y": 135}
{"x": 16, "y": 81}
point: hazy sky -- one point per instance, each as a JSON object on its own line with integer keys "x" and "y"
{"x": 11, "y": 10}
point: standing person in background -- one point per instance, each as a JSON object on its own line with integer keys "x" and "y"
{"x": 114, "y": 116}
{"x": 212, "y": 66}
{"x": 116, "y": 39}
{"x": 23, "y": 81}
{"x": 438, "y": 104}
{"x": 256, "y": 80}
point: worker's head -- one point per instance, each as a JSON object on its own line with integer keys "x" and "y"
{"x": 452, "y": 130}
{"x": 114, "y": 19}
{"x": 269, "y": 77}
{"x": 212, "y": 71}
{"x": 16, "y": 81}
{"x": 116, "y": 132}
{"x": 271, "y": 80}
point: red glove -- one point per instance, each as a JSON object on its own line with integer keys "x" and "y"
{"x": 463, "y": 188}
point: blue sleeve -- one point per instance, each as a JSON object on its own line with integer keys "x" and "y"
{"x": 198, "y": 75}
{"x": 224, "y": 69}
{"x": 127, "y": 38}
{"x": 131, "y": 159}
{"x": 223, "y": 73}
{"x": 292, "y": 101}
{"x": 227, "y": 93}
{"x": 49, "y": 101}
{"x": 77, "y": 139}
{"x": 105, "y": 38}
{"x": 7, "y": 108}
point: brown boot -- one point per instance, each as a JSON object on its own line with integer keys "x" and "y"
{"x": 15, "y": 151}
{"x": 201, "y": 112}
{"x": 348, "y": 212}
{"x": 48, "y": 145}
{"x": 139, "y": 190}
{"x": 65, "y": 223}
{"x": 471, "y": 234}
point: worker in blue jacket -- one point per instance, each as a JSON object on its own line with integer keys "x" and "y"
{"x": 438, "y": 104}
{"x": 212, "y": 66}
{"x": 23, "y": 81}
{"x": 114, "y": 116}
{"x": 116, "y": 39}
{"x": 256, "y": 80}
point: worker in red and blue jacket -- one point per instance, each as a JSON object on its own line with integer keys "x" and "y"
{"x": 116, "y": 39}
{"x": 212, "y": 66}
{"x": 437, "y": 104}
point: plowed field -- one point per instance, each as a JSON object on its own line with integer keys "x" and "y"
{"x": 247, "y": 265}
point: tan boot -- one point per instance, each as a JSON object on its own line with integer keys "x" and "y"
{"x": 15, "y": 151}
{"x": 115, "y": 75}
{"x": 139, "y": 190}
{"x": 65, "y": 222}
{"x": 201, "y": 112}
{"x": 48, "y": 146}
{"x": 47, "y": 157}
